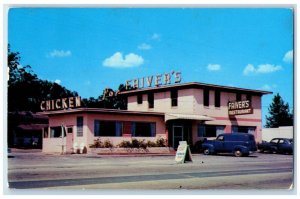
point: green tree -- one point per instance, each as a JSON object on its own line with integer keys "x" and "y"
{"x": 26, "y": 90}
{"x": 279, "y": 113}
{"x": 109, "y": 99}
{"x": 113, "y": 100}
{"x": 18, "y": 73}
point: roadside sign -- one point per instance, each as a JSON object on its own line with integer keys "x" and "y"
{"x": 183, "y": 153}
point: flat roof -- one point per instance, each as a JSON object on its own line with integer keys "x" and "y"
{"x": 99, "y": 110}
{"x": 193, "y": 85}
{"x": 30, "y": 127}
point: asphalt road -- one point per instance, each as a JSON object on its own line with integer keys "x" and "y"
{"x": 223, "y": 172}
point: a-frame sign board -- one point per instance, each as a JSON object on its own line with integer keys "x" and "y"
{"x": 183, "y": 153}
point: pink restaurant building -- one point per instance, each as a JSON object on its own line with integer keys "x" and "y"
{"x": 187, "y": 111}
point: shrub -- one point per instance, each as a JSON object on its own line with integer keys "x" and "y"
{"x": 97, "y": 144}
{"x": 138, "y": 144}
{"x": 107, "y": 144}
{"x": 150, "y": 144}
{"x": 142, "y": 144}
{"x": 161, "y": 142}
{"x": 135, "y": 143}
{"x": 125, "y": 144}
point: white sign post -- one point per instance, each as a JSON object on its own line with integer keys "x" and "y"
{"x": 183, "y": 153}
{"x": 62, "y": 139}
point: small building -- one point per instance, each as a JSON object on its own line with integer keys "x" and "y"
{"x": 281, "y": 132}
{"x": 25, "y": 129}
{"x": 188, "y": 111}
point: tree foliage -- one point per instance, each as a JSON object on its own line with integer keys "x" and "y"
{"x": 26, "y": 90}
{"x": 279, "y": 113}
{"x": 108, "y": 99}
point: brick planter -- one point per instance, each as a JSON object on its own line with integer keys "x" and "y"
{"x": 150, "y": 150}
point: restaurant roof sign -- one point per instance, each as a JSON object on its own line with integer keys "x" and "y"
{"x": 240, "y": 107}
{"x": 154, "y": 80}
{"x": 63, "y": 103}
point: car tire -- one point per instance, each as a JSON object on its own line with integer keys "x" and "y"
{"x": 238, "y": 153}
{"x": 261, "y": 151}
{"x": 274, "y": 150}
{"x": 206, "y": 151}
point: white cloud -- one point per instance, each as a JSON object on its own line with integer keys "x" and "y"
{"x": 288, "y": 57}
{"x": 249, "y": 69}
{"x": 213, "y": 67}
{"x": 118, "y": 61}
{"x": 144, "y": 46}
{"x": 57, "y": 81}
{"x": 60, "y": 53}
{"x": 268, "y": 87}
{"x": 155, "y": 36}
{"x": 262, "y": 68}
{"x": 268, "y": 68}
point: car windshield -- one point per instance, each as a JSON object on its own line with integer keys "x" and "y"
{"x": 274, "y": 141}
{"x": 220, "y": 138}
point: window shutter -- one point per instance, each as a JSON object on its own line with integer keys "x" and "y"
{"x": 153, "y": 130}
{"x": 118, "y": 129}
{"x": 133, "y": 129}
{"x": 201, "y": 130}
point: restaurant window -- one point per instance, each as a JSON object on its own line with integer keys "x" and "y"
{"x": 217, "y": 98}
{"x": 206, "y": 97}
{"x": 108, "y": 128}
{"x": 210, "y": 130}
{"x": 151, "y": 100}
{"x": 238, "y": 97}
{"x": 143, "y": 129}
{"x": 70, "y": 130}
{"x": 139, "y": 98}
{"x": 174, "y": 97}
{"x": 243, "y": 129}
{"x": 56, "y": 132}
{"x": 79, "y": 126}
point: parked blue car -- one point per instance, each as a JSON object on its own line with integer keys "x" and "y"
{"x": 239, "y": 144}
{"x": 277, "y": 145}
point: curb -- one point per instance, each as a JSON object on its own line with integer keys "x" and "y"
{"x": 134, "y": 154}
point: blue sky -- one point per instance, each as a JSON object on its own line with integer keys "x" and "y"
{"x": 87, "y": 50}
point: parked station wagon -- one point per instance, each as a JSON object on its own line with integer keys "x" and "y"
{"x": 240, "y": 144}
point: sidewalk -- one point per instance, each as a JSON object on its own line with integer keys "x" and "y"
{"x": 18, "y": 150}
{"x": 90, "y": 154}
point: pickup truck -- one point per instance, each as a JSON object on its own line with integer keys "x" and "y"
{"x": 240, "y": 144}
{"x": 277, "y": 145}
